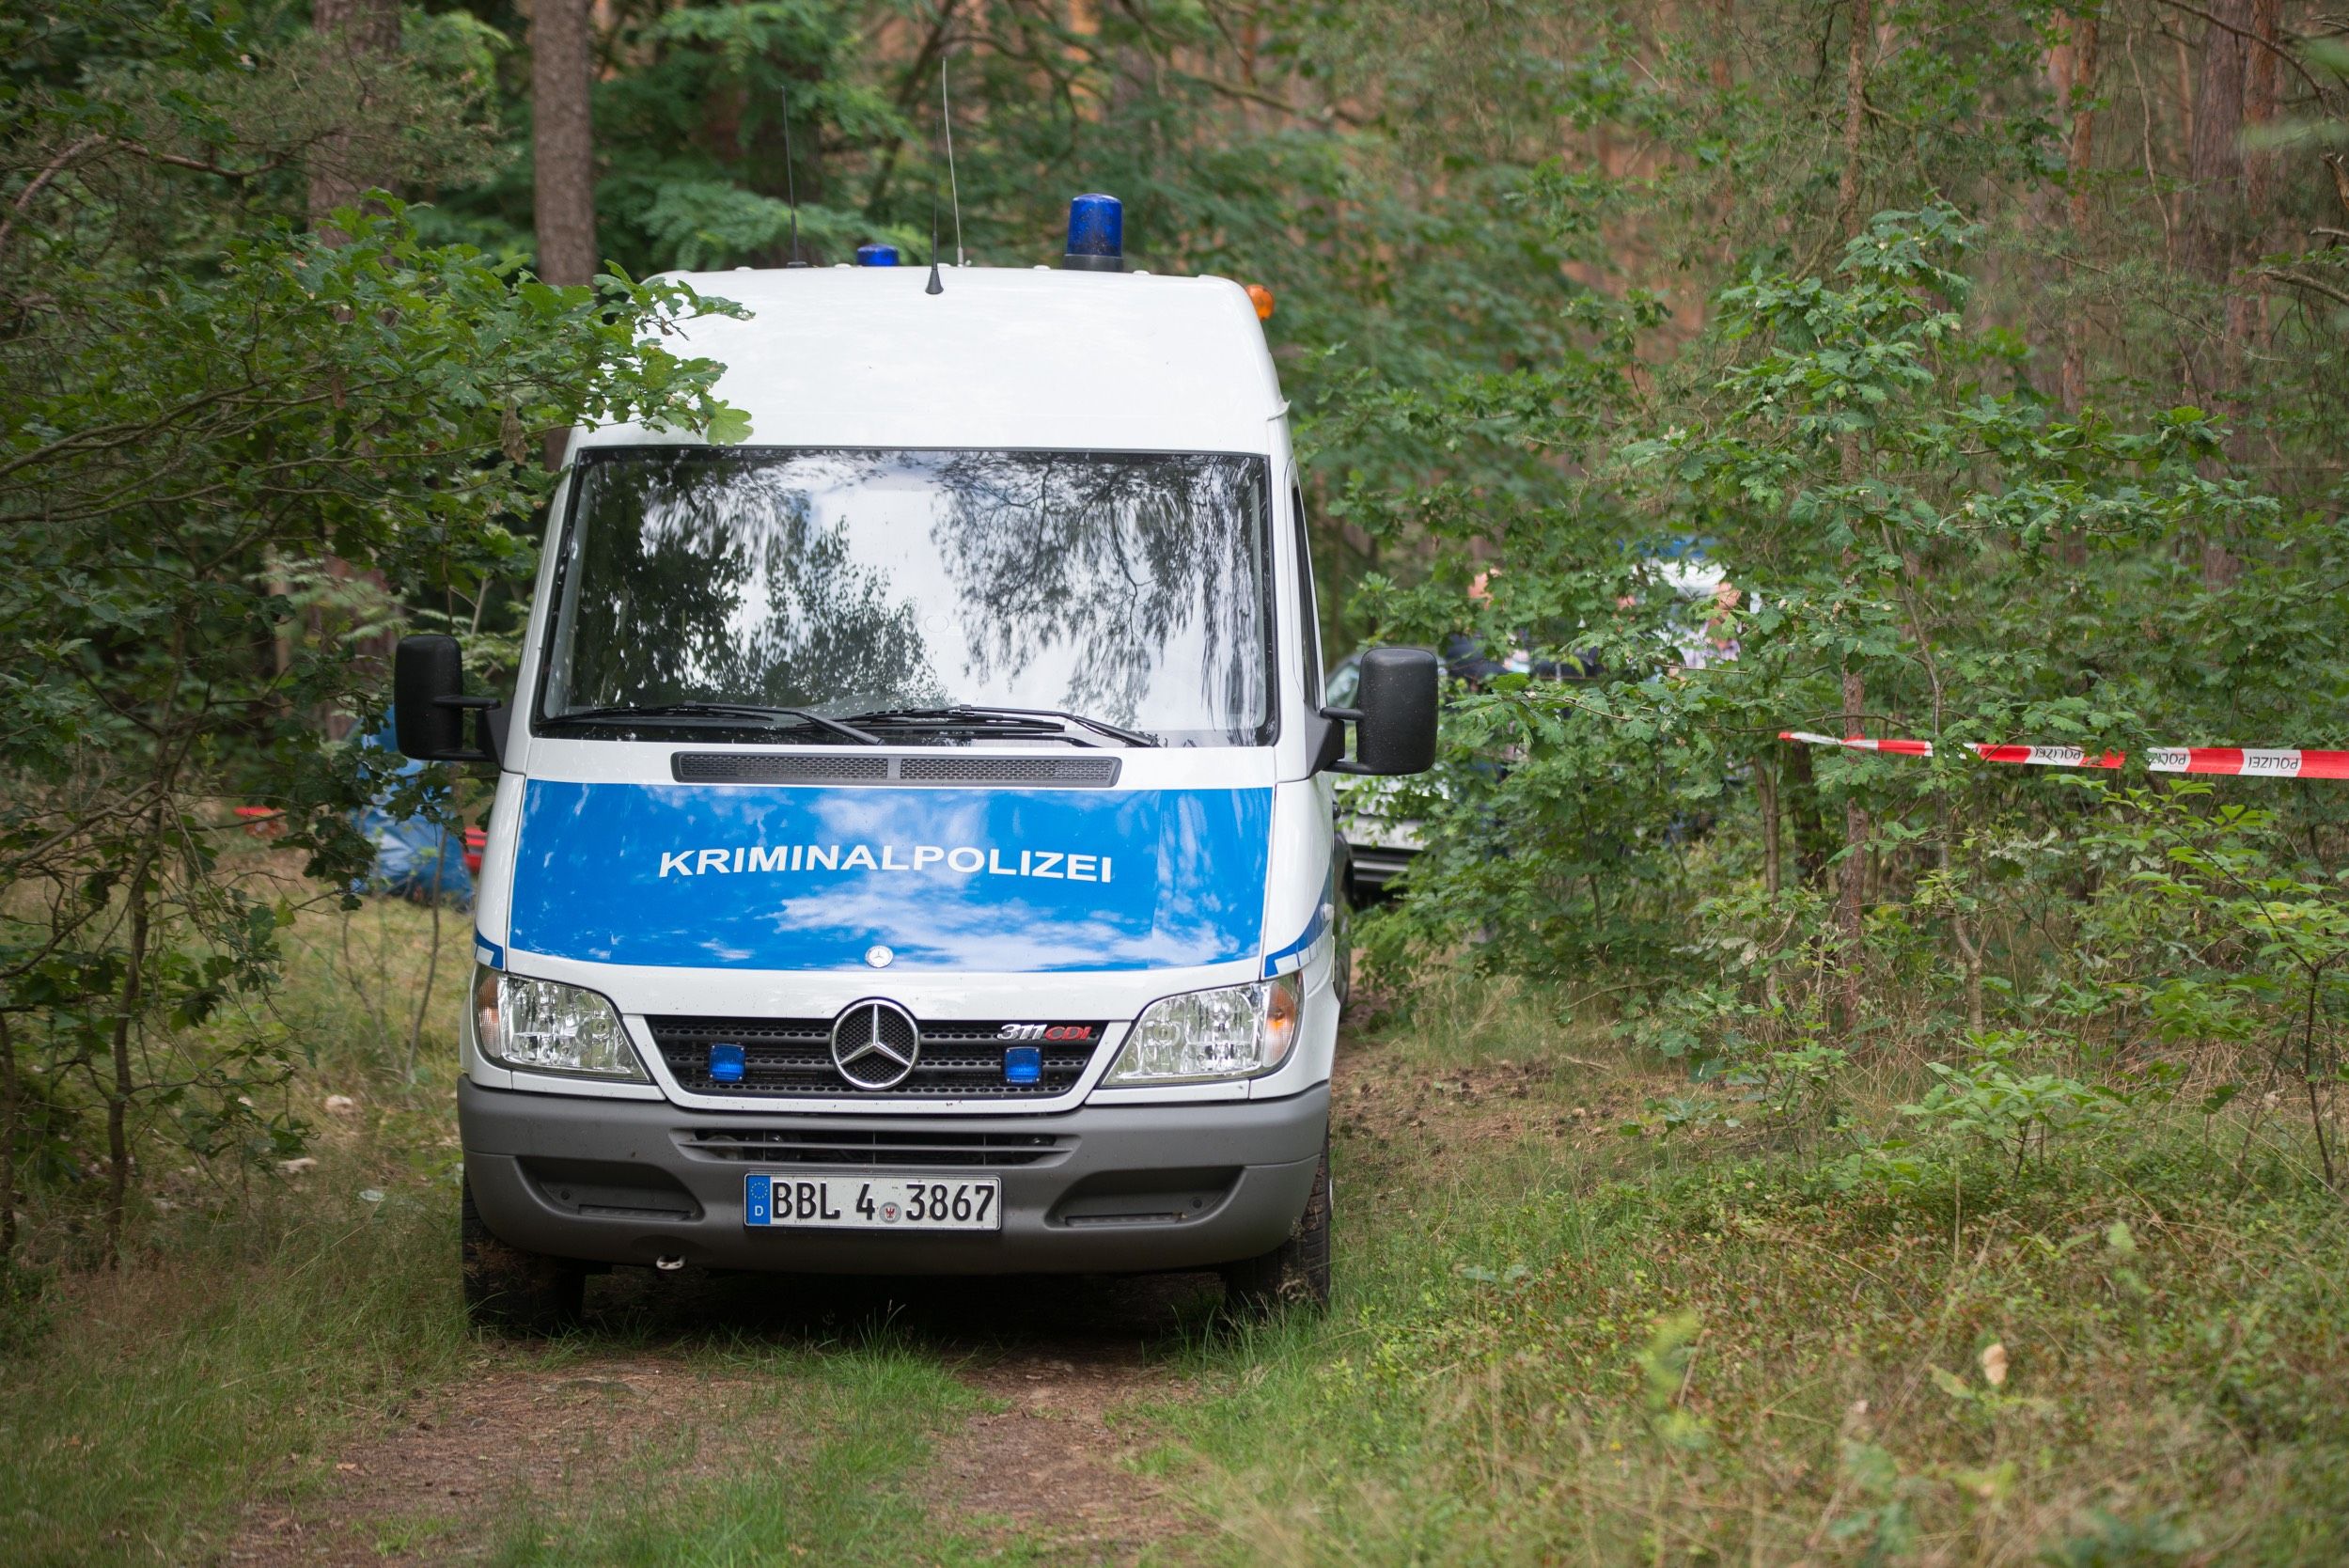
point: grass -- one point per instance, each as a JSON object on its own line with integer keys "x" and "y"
{"x": 256, "y": 1319}
{"x": 851, "y": 1423}
{"x": 1552, "y": 1343}
{"x": 159, "y": 1398}
{"x": 264, "y": 1326}
{"x": 1612, "y": 1350}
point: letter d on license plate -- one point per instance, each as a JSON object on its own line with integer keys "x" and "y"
{"x": 872, "y": 1202}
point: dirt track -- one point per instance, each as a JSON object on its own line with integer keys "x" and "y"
{"x": 1054, "y": 1361}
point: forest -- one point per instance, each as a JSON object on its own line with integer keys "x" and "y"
{"x": 1726, "y": 1109}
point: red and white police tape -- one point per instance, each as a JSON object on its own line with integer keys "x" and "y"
{"x": 2161, "y": 758}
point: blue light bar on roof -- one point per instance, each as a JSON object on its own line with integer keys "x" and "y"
{"x": 876, "y": 255}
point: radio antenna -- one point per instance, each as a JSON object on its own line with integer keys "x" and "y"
{"x": 946, "y": 115}
{"x": 934, "y": 287}
{"x": 791, "y": 181}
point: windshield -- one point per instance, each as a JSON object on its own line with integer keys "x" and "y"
{"x": 1129, "y": 589}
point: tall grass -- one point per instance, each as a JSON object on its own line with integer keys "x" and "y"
{"x": 1584, "y": 1347}
{"x": 164, "y": 1396}
{"x": 260, "y": 1315}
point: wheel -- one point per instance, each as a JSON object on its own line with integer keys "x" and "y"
{"x": 1295, "y": 1273}
{"x": 509, "y": 1289}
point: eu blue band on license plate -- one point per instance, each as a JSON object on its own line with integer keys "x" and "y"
{"x": 861, "y": 1201}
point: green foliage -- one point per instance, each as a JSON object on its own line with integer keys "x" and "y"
{"x": 1665, "y": 1368}
{"x": 218, "y": 479}
{"x": 1889, "y": 520}
{"x": 1992, "y": 1097}
{"x": 694, "y": 177}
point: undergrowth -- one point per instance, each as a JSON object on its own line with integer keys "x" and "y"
{"x": 1726, "y": 1341}
{"x": 1595, "y": 1304}
{"x": 266, "y": 1323}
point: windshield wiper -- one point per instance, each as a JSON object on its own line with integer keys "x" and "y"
{"x": 724, "y": 711}
{"x": 1002, "y": 720}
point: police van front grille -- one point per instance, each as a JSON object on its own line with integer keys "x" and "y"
{"x": 793, "y": 1056}
{"x": 891, "y": 1147}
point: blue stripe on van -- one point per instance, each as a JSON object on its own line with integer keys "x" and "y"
{"x": 1292, "y": 956}
{"x": 1018, "y": 881}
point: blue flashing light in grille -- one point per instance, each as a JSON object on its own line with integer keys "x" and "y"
{"x": 726, "y": 1064}
{"x": 876, "y": 255}
{"x": 1023, "y": 1064}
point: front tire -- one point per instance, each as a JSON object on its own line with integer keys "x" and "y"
{"x": 1295, "y": 1273}
{"x": 509, "y": 1290}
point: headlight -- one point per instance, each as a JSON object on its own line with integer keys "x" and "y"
{"x": 543, "y": 1027}
{"x": 1241, "y": 1031}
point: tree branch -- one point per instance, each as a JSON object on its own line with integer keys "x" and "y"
{"x": 1252, "y": 95}
{"x": 33, "y": 186}
{"x": 98, "y": 139}
{"x": 202, "y": 166}
{"x": 2302, "y": 280}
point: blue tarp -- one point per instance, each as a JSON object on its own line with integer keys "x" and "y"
{"x": 415, "y": 857}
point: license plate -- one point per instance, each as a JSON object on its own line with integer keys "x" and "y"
{"x": 873, "y": 1202}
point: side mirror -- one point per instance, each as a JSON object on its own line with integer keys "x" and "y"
{"x": 429, "y": 703}
{"x": 1394, "y": 725}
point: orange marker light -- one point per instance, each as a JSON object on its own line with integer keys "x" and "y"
{"x": 1262, "y": 298}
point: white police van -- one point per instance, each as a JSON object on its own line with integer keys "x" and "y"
{"x": 911, "y": 850}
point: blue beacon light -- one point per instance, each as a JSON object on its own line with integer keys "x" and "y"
{"x": 1023, "y": 1064}
{"x": 726, "y": 1064}
{"x": 876, "y": 255}
{"x": 1096, "y": 234}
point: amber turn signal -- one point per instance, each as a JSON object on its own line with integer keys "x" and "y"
{"x": 1261, "y": 298}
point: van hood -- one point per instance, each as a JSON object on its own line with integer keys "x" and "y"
{"x": 986, "y": 881}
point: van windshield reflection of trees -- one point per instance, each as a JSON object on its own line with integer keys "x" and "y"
{"x": 1130, "y": 588}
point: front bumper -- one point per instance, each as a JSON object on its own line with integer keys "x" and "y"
{"x": 1097, "y": 1189}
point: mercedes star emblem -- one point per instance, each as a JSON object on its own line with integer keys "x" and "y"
{"x": 876, "y": 1044}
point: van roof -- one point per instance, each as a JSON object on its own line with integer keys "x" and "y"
{"x": 861, "y": 357}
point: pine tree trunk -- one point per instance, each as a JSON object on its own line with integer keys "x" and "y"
{"x": 2213, "y": 153}
{"x": 2246, "y": 307}
{"x": 1855, "y": 115}
{"x": 562, "y": 128}
{"x": 2080, "y": 95}
{"x": 563, "y": 133}
{"x": 360, "y": 32}
{"x": 2213, "y": 207}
